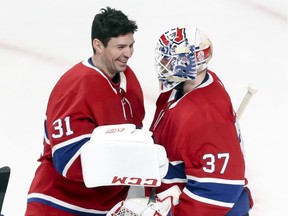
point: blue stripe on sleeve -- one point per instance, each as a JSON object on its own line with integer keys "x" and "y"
{"x": 216, "y": 191}
{"x": 63, "y": 155}
{"x": 176, "y": 171}
{"x": 242, "y": 206}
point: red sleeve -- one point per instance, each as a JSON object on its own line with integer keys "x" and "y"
{"x": 215, "y": 172}
{"x": 82, "y": 100}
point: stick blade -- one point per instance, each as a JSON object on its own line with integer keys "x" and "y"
{"x": 4, "y": 179}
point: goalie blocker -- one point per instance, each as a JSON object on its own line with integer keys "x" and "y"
{"x": 123, "y": 155}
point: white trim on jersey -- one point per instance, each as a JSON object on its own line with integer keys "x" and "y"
{"x": 174, "y": 180}
{"x": 217, "y": 180}
{"x": 64, "y": 204}
{"x": 70, "y": 162}
{"x": 123, "y": 82}
{"x": 174, "y": 163}
{"x": 206, "y": 200}
{"x": 70, "y": 141}
{"x": 206, "y": 83}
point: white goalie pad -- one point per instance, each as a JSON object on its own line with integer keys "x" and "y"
{"x": 140, "y": 206}
{"x": 143, "y": 207}
{"x": 122, "y": 155}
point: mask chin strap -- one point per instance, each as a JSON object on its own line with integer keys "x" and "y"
{"x": 201, "y": 67}
{"x": 176, "y": 79}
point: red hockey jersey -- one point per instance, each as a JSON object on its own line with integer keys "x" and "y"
{"x": 203, "y": 144}
{"x": 83, "y": 99}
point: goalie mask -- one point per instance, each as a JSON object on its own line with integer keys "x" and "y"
{"x": 181, "y": 53}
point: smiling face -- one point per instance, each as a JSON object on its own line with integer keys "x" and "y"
{"x": 114, "y": 57}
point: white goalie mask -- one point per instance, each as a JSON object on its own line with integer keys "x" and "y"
{"x": 181, "y": 53}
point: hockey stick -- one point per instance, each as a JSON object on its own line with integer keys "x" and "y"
{"x": 4, "y": 178}
{"x": 251, "y": 90}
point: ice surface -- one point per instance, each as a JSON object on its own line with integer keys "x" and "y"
{"x": 39, "y": 40}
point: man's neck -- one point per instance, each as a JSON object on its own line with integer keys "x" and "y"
{"x": 192, "y": 84}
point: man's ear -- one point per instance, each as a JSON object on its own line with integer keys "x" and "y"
{"x": 97, "y": 45}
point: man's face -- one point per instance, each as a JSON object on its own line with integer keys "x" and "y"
{"x": 166, "y": 65}
{"x": 115, "y": 56}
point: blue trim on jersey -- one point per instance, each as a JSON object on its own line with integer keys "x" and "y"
{"x": 91, "y": 62}
{"x": 63, "y": 155}
{"x": 242, "y": 206}
{"x": 216, "y": 191}
{"x": 176, "y": 171}
{"x": 62, "y": 208}
{"x": 45, "y": 129}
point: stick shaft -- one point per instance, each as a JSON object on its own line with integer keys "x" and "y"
{"x": 251, "y": 90}
{"x": 243, "y": 104}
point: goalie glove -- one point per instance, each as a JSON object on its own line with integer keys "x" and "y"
{"x": 122, "y": 155}
{"x": 142, "y": 206}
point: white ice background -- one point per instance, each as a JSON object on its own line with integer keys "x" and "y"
{"x": 40, "y": 40}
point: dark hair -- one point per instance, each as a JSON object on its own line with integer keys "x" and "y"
{"x": 111, "y": 23}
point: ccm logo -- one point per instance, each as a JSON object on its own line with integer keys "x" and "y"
{"x": 135, "y": 181}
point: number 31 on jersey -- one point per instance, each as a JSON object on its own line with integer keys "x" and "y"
{"x": 62, "y": 127}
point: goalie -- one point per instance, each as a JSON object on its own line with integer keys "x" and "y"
{"x": 197, "y": 125}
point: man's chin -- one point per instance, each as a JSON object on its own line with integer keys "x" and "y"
{"x": 122, "y": 67}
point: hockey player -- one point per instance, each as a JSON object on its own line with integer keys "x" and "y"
{"x": 101, "y": 90}
{"x": 196, "y": 123}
